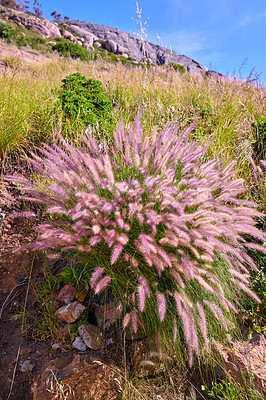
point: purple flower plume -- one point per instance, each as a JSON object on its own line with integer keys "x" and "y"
{"x": 95, "y": 276}
{"x": 153, "y": 210}
{"x": 161, "y": 304}
{"x": 102, "y": 284}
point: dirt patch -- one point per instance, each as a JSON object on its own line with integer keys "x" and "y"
{"x": 16, "y": 340}
{"x": 15, "y": 53}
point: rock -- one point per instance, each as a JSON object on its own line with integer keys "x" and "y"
{"x": 79, "y": 344}
{"x": 83, "y": 33}
{"x": 120, "y": 49}
{"x": 43, "y": 26}
{"x": 109, "y": 313}
{"x": 121, "y": 42}
{"x": 92, "y": 336}
{"x": 245, "y": 357}
{"x": 97, "y": 44}
{"x": 74, "y": 377}
{"x": 56, "y": 346}
{"x": 162, "y": 57}
{"x": 71, "y": 312}
{"x": 111, "y": 46}
{"x": 25, "y": 351}
{"x": 66, "y": 294}
{"x": 69, "y": 36}
{"x": 27, "y": 366}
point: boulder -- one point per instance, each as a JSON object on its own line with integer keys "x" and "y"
{"x": 83, "y": 33}
{"x": 111, "y": 46}
{"x": 92, "y": 336}
{"x": 43, "y": 26}
{"x": 97, "y": 44}
{"x": 244, "y": 357}
{"x": 69, "y": 36}
{"x": 66, "y": 294}
{"x": 120, "y": 49}
{"x": 71, "y": 312}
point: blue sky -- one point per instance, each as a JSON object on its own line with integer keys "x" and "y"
{"x": 226, "y": 35}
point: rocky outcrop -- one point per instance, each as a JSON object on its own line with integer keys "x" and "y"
{"x": 119, "y": 42}
{"x": 43, "y": 26}
{"x": 93, "y": 36}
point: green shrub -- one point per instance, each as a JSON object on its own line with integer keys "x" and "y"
{"x": 34, "y": 42}
{"x": 177, "y": 67}
{"x": 83, "y": 99}
{"x": 73, "y": 50}
{"x": 260, "y": 144}
{"x": 6, "y": 31}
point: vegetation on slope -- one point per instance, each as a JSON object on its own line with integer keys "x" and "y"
{"x": 36, "y": 103}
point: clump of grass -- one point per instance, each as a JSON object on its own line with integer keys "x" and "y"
{"x": 155, "y": 225}
{"x": 177, "y": 67}
{"x": 260, "y": 144}
{"x": 231, "y": 390}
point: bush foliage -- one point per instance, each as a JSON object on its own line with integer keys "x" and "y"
{"x": 158, "y": 226}
{"x": 83, "y": 99}
{"x": 6, "y": 30}
{"x": 177, "y": 67}
{"x": 73, "y": 50}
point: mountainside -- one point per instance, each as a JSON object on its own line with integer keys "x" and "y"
{"x": 93, "y": 36}
{"x": 122, "y": 43}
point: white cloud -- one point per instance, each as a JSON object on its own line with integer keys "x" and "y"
{"x": 185, "y": 42}
{"x": 250, "y": 19}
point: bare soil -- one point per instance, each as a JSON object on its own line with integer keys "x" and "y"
{"x": 16, "y": 340}
{"x": 7, "y": 51}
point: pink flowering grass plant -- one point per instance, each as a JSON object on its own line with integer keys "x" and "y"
{"x": 159, "y": 227}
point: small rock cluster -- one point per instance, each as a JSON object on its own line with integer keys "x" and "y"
{"x": 90, "y": 336}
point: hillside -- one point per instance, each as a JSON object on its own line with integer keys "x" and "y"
{"x": 95, "y": 38}
{"x": 132, "y": 220}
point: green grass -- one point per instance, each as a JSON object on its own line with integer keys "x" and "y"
{"x": 231, "y": 390}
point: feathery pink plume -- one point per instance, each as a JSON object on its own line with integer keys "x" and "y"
{"x": 161, "y": 305}
{"x": 116, "y": 253}
{"x": 126, "y": 320}
{"x": 95, "y": 275}
{"x": 102, "y": 284}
